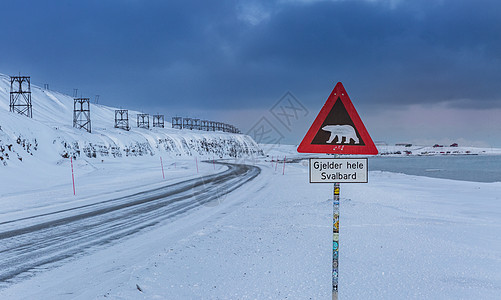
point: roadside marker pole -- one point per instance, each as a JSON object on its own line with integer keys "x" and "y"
{"x": 335, "y": 242}
{"x": 283, "y": 171}
{"x": 196, "y": 162}
{"x": 213, "y": 163}
{"x": 162, "y": 164}
{"x": 72, "y": 175}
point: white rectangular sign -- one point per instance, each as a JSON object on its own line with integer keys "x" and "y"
{"x": 340, "y": 170}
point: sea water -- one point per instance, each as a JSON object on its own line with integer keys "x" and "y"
{"x": 479, "y": 168}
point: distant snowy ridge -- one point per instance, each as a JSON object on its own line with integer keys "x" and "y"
{"x": 281, "y": 151}
{"x": 50, "y": 135}
{"x": 415, "y": 150}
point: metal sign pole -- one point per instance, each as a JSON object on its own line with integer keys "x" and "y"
{"x": 335, "y": 242}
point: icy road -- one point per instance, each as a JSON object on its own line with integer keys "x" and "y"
{"x": 38, "y": 242}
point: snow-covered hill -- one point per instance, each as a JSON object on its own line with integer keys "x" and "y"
{"x": 50, "y": 136}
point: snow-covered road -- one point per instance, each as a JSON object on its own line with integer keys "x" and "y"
{"x": 44, "y": 240}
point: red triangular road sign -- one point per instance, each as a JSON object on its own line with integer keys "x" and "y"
{"x": 338, "y": 129}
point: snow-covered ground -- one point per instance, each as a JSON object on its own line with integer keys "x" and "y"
{"x": 401, "y": 237}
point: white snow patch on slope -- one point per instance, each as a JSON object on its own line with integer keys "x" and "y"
{"x": 49, "y": 136}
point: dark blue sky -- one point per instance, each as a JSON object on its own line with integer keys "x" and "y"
{"x": 418, "y": 71}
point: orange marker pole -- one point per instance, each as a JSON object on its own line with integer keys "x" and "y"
{"x": 162, "y": 164}
{"x": 283, "y": 171}
{"x": 72, "y": 175}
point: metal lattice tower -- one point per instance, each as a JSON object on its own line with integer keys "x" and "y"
{"x": 158, "y": 121}
{"x": 81, "y": 114}
{"x": 204, "y": 125}
{"x": 188, "y": 123}
{"x": 196, "y": 124}
{"x": 143, "y": 121}
{"x": 122, "y": 119}
{"x": 177, "y": 122}
{"x": 20, "y": 95}
{"x": 212, "y": 126}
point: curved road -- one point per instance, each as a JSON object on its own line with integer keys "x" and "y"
{"x": 37, "y": 242}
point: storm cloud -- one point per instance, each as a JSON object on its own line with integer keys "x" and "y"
{"x": 243, "y": 55}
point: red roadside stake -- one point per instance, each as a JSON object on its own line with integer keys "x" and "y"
{"x": 162, "y": 164}
{"x": 283, "y": 171}
{"x": 72, "y": 175}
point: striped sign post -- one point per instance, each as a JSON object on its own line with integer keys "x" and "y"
{"x": 335, "y": 241}
{"x": 337, "y": 170}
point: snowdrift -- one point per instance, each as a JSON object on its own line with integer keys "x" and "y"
{"x": 50, "y": 136}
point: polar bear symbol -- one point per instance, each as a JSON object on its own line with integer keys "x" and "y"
{"x": 344, "y": 134}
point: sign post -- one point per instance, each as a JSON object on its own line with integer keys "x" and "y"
{"x": 337, "y": 130}
{"x": 335, "y": 241}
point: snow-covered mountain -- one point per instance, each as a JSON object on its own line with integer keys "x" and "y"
{"x": 50, "y": 136}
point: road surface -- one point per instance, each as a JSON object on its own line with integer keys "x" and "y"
{"x": 35, "y": 243}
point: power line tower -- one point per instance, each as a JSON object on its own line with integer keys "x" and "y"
{"x": 143, "y": 121}
{"x": 177, "y": 122}
{"x": 188, "y": 123}
{"x": 81, "y": 114}
{"x": 122, "y": 119}
{"x": 158, "y": 121}
{"x": 204, "y": 125}
{"x": 20, "y": 95}
{"x": 212, "y": 126}
{"x": 196, "y": 124}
